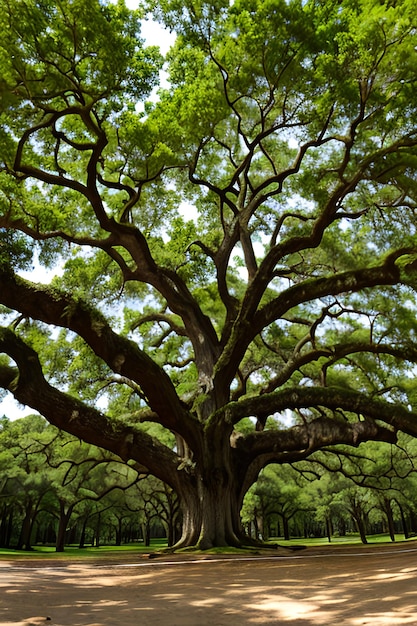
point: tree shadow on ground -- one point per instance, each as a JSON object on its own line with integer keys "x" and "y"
{"x": 375, "y": 588}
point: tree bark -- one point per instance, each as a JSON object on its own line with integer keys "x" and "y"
{"x": 211, "y": 510}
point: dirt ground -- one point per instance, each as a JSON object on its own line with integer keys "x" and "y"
{"x": 315, "y": 587}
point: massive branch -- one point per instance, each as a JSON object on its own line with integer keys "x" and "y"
{"x": 304, "y": 439}
{"x": 387, "y": 273}
{"x": 332, "y": 398}
{"x": 119, "y": 353}
{"x": 28, "y": 385}
{"x": 257, "y": 450}
{"x": 245, "y": 329}
{"x": 168, "y": 283}
{"x": 336, "y": 353}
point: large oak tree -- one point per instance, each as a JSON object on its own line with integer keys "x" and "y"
{"x": 280, "y": 319}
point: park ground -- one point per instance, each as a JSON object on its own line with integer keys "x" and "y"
{"x": 322, "y": 586}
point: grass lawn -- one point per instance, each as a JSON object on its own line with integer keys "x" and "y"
{"x": 74, "y": 551}
{"x": 352, "y": 539}
{"x": 157, "y": 545}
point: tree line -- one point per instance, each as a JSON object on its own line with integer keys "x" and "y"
{"x": 284, "y": 504}
{"x": 57, "y": 490}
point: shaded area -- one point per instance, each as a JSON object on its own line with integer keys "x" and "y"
{"x": 374, "y": 587}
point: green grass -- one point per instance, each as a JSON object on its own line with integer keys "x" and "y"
{"x": 352, "y": 539}
{"x": 158, "y": 545}
{"x": 75, "y": 552}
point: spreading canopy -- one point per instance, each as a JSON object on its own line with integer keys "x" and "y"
{"x": 243, "y": 247}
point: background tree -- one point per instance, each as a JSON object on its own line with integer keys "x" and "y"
{"x": 166, "y": 506}
{"x": 280, "y": 493}
{"x": 358, "y": 504}
{"x": 26, "y": 483}
{"x": 79, "y": 472}
{"x": 47, "y": 477}
{"x": 289, "y": 128}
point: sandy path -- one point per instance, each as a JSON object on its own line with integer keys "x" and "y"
{"x": 375, "y": 587}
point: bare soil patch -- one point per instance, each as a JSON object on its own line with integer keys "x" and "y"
{"x": 326, "y": 586}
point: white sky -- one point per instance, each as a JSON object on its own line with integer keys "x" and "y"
{"x": 155, "y": 35}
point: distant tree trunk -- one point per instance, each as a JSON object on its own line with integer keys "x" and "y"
{"x": 64, "y": 518}
{"x": 413, "y": 522}
{"x": 24, "y": 541}
{"x": 83, "y": 533}
{"x": 6, "y": 528}
{"x": 403, "y": 521}
{"x": 60, "y": 535}
{"x": 3, "y": 526}
{"x": 170, "y": 531}
{"x": 360, "y": 525}
{"x": 98, "y": 530}
{"x": 146, "y": 532}
{"x": 278, "y": 528}
{"x": 268, "y": 528}
{"x": 168, "y": 513}
{"x": 119, "y": 531}
{"x": 256, "y": 524}
{"x": 286, "y": 528}
{"x": 341, "y": 525}
{"x": 329, "y": 529}
{"x": 130, "y": 533}
{"x": 390, "y": 518}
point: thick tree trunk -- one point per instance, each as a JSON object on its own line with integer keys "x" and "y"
{"x": 218, "y": 528}
{"x": 211, "y": 512}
